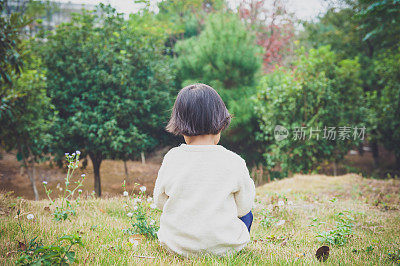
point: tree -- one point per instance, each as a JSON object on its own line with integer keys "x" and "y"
{"x": 380, "y": 22}
{"x": 26, "y": 126}
{"x": 273, "y": 26}
{"x": 25, "y": 109}
{"x": 109, "y": 84}
{"x": 11, "y": 62}
{"x": 223, "y": 55}
{"x": 379, "y": 25}
{"x": 185, "y": 19}
{"x": 363, "y": 29}
{"x": 388, "y": 69}
{"x": 226, "y": 57}
{"x": 318, "y": 91}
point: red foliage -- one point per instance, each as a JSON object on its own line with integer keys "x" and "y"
{"x": 274, "y": 28}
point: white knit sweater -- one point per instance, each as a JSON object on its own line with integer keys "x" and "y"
{"x": 202, "y": 191}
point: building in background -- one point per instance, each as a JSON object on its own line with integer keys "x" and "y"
{"x": 47, "y": 14}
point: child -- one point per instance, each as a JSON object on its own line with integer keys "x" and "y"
{"x": 204, "y": 190}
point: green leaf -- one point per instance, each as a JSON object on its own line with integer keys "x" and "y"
{"x": 71, "y": 256}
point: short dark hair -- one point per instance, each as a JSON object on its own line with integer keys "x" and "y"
{"x": 198, "y": 110}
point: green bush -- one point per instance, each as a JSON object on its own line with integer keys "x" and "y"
{"x": 318, "y": 91}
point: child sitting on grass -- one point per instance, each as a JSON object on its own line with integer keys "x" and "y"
{"x": 204, "y": 190}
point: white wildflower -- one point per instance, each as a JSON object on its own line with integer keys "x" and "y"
{"x": 133, "y": 241}
{"x": 143, "y": 188}
{"x": 79, "y": 190}
{"x": 126, "y": 194}
{"x": 78, "y": 152}
{"x": 30, "y": 216}
{"x": 44, "y": 182}
{"x": 130, "y": 214}
{"x": 281, "y": 203}
{"x": 83, "y": 175}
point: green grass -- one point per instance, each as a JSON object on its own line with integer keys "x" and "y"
{"x": 311, "y": 206}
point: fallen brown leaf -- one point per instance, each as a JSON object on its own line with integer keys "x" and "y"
{"x": 322, "y": 253}
{"x": 21, "y": 245}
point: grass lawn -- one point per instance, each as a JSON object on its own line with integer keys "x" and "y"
{"x": 360, "y": 217}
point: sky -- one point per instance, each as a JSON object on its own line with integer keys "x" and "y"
{"x": 303, "y": 9}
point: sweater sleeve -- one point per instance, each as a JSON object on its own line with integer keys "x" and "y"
{"x": 159, "y": 195}
{"x": 245, "y": 195}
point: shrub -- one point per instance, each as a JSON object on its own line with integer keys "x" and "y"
{"x": 317, "y": 93}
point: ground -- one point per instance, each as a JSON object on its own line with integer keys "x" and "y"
{"x": 362, "y": 214}
{"x": 14, "y": 178}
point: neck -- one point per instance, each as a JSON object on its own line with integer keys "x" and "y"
{"x": 201, "y": 140}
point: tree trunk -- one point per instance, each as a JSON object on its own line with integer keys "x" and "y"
{"x": 30, "y": 170}
{"x": 334, "y": 168}
{"x": 397, "y": 161}
{"x": 96, "y": 161}
{"x": 375, "y": 152}
{"x": 361, "y": 149}
{"x": 126, "y": 173}
{"x": 143, "y": 158}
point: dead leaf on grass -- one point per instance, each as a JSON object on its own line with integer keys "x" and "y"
{"x": 322, "y": 253}
{"x": 21, "y": 245}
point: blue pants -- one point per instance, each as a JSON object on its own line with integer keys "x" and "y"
{"x": 248, "y": 220}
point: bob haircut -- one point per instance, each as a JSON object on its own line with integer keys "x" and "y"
{"x": 198, "y": 110}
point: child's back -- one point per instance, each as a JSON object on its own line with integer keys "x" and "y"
{"x": 203, "y": 189}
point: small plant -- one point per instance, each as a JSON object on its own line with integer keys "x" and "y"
{"x": 140, "y": 214}
{"x": 267, "y": 219}
{"x": 67, "y": 204}
{"x": 368, "y": 249}
{"x": 334, "y": 199}
{"x": 339, "y": 235}
{"x": 35, "y": 253}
